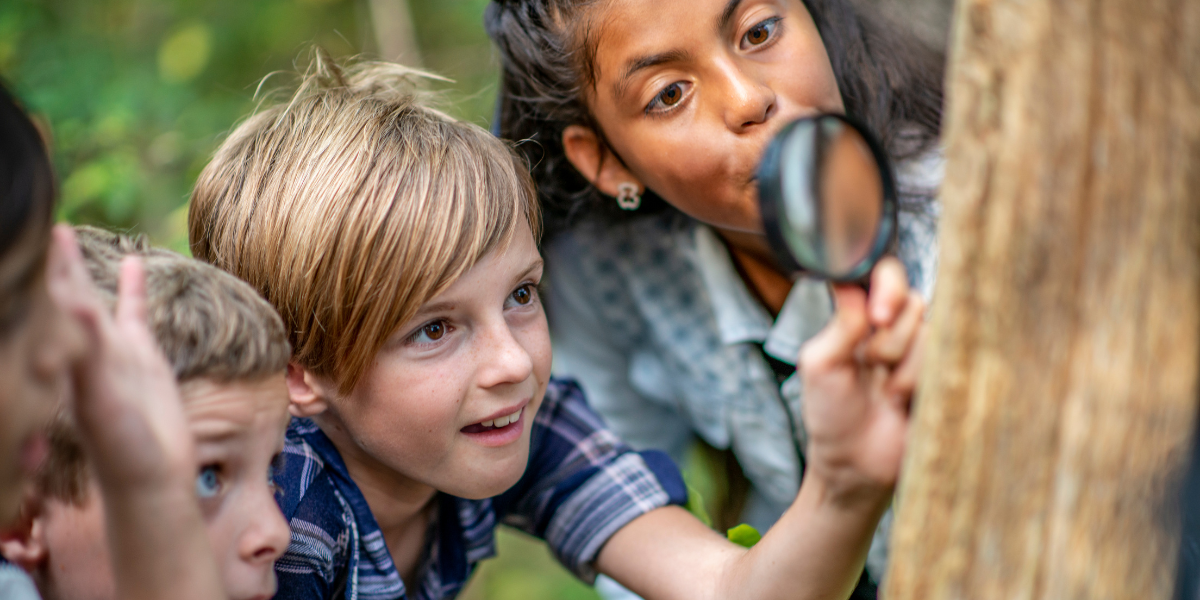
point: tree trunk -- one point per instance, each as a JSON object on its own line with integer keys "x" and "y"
{"x": 394, "y": 33}
{"x": 1060, "y": 385}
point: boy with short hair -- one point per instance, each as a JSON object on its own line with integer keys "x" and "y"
{"x": 399, "y": 246}
{"x": 229, "y": 354}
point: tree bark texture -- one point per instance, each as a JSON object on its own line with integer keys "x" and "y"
{"x": 1060, "y": 382}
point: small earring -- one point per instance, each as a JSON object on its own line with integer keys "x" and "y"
{"x": 628, "y": 197}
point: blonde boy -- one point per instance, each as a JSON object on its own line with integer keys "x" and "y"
{"x": 399, "y": 247}
{"x": 228, "y": 351}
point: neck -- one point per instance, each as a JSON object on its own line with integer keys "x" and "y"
{"x": 757, "y": 267}
{"x": 401, "y": 506}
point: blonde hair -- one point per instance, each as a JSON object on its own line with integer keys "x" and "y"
{"x": 208, "y": 324}
{"x": 351, "y": 205}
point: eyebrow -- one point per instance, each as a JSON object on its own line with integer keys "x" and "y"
{"x": 216, "y": 431}
{"x": 449, "y": 305}
{"x": 670, "y": 56}
{"x": 645, "y": 62}
{"x": 727, "y": 15}
{"x": 533, "y": 266}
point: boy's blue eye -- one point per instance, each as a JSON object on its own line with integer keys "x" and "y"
{"x": 761, "y": 33}
{"x": 208, "y": 482}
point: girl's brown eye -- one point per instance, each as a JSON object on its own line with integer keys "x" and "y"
{"x": 757, "y": 35}
{"x": 761, "y": 33}
{"x": 671, "y": 95}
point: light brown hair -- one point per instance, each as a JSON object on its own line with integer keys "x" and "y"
{"x": 208, "y": 324}
{"x": 352, "y": 204}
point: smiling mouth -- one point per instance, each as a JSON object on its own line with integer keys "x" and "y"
{"x": 502, "y": 422}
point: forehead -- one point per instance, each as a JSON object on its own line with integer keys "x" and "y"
{"x": 625, "y": 28}
{"x": 501, "y": 264}
{"x": 229, "y": 410}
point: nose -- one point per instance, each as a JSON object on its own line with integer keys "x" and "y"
{"x": 503, "y": 359}
{"x": 266, "y": 535}
{"x": 749, "y": 100}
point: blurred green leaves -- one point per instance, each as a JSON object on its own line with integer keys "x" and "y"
{"x": 185, "y": 53}
{"x": 138, "y": 93}
{"x": 743, "y": 535}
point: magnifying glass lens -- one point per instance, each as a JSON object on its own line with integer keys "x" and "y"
{"x": 827, "y": 199}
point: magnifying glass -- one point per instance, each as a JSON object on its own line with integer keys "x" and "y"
{"x": 828, "y": 198}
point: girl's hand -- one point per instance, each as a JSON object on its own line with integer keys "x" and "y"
{"x": 859, "y": 374}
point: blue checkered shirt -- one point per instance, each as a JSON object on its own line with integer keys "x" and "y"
{"x": 581, "y": 485}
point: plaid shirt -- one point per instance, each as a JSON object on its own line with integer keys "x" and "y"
{"x": 581, "y": 485}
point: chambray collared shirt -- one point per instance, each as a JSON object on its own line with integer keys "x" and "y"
{"x": 652, "y": 318}
{"x": 581, "y": 485}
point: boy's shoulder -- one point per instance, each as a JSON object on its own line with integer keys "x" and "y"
{"x": 582, "y": 483}
{"x": 332, "y": 526}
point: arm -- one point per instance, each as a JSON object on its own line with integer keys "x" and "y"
{"x": 859, "y": 383}
{"x": 130, "y": 418}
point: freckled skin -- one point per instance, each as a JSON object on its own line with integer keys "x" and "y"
{"x": 400, "y": 428}
{"x": 477, "y": 351}
{"x": 735, "y": 90}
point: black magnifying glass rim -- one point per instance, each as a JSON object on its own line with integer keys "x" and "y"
{"x": 770, "y": 201}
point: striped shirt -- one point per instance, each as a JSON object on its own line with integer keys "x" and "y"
{"x": 581, "y": 485}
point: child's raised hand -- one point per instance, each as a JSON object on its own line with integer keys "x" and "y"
{"x": 859, "y": 374}
{"x": 125, "y": 401}
{"x": 127, "y": 409}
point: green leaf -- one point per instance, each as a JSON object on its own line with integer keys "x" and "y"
{"x": 744, "y": 535}
{"x": 183, "y": 55}
{"x": 695, "y": 505}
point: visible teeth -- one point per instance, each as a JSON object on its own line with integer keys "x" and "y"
{"x": 503, "y": 421}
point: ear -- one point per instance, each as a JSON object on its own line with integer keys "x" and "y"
{"x": 308, "y": 392}
{"x": 595, "y": 161}
{"x": 23, "y": 544}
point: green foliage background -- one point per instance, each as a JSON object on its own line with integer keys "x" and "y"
{"x": 136, "y": 95}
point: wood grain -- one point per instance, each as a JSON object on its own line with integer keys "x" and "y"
{"x": 1060, "y": 385}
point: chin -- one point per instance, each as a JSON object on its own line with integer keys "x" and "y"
{"x": 479, "y": 486}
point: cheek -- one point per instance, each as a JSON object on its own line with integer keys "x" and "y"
{"x": 803, "y": 75}
{"x": 535, "y": 338}
{"x": 411, "y": 406}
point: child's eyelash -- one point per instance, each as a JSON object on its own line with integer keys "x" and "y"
{"x": 273, "y": 470}
{"x": 434, "y": 330}
{"x": 653, "y": 109}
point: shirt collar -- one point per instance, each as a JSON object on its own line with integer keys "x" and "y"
{"x": 741, "y": 318}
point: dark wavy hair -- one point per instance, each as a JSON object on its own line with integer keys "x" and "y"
{"x": 26, "y": 208}
{"x": 889, "y": 80}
